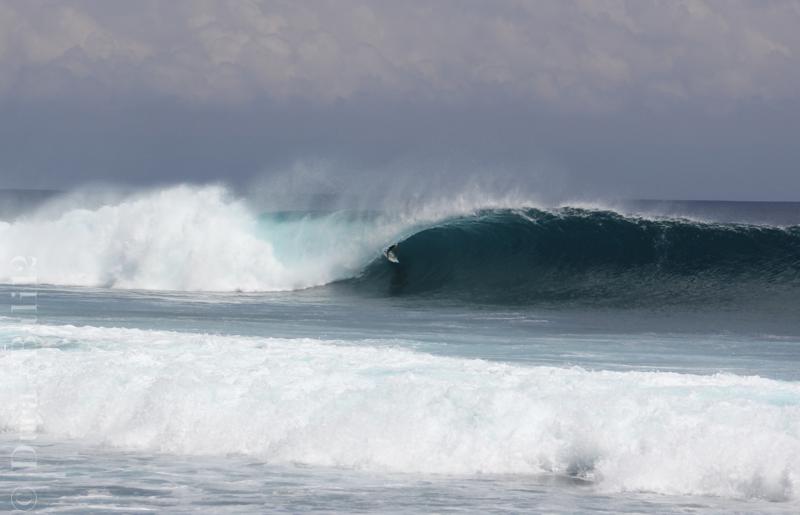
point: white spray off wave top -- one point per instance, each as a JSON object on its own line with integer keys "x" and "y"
{"x": 180, "y": 238}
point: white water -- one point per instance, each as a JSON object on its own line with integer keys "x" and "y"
{"x": 369, "y": 407}
{"x": 181, "y": 238}
{"x": 201, "y": 238}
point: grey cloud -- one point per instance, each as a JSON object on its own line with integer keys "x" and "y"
{"x": 683, "y": 99}
{"x": 571, "y": 55}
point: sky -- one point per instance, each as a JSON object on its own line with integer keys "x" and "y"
{"x": 620, "y": 99}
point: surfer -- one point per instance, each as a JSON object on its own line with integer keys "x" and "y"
{"x": 390, "y": 255}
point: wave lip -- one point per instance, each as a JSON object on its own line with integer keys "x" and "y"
{"x": 531, "y": 255}
{"x": 328, "y": 403}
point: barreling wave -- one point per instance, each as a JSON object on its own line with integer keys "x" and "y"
{"x": 595, "y": 256}
{"x": 203, "y": 238}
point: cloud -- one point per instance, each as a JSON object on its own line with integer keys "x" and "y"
{"x": 598, "y": 55}
{"x": 683, "y": 99}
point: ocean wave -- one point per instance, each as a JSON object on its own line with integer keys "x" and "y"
{"x": 202, "y": 238}
{"x": 373, "y": 407}
{"x": 533, "y": 255}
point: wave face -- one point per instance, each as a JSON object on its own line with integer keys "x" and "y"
{"x": 326, "y": 403}
{"x": 594, "y": 256}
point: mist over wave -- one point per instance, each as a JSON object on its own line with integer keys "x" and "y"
{"x": 369, "y": 407}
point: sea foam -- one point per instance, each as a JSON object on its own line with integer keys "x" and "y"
{"x": 367, "y": 406}
{"x": 180, "y": 238}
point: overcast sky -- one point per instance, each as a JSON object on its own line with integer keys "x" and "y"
{"x": 673, "y": 99}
